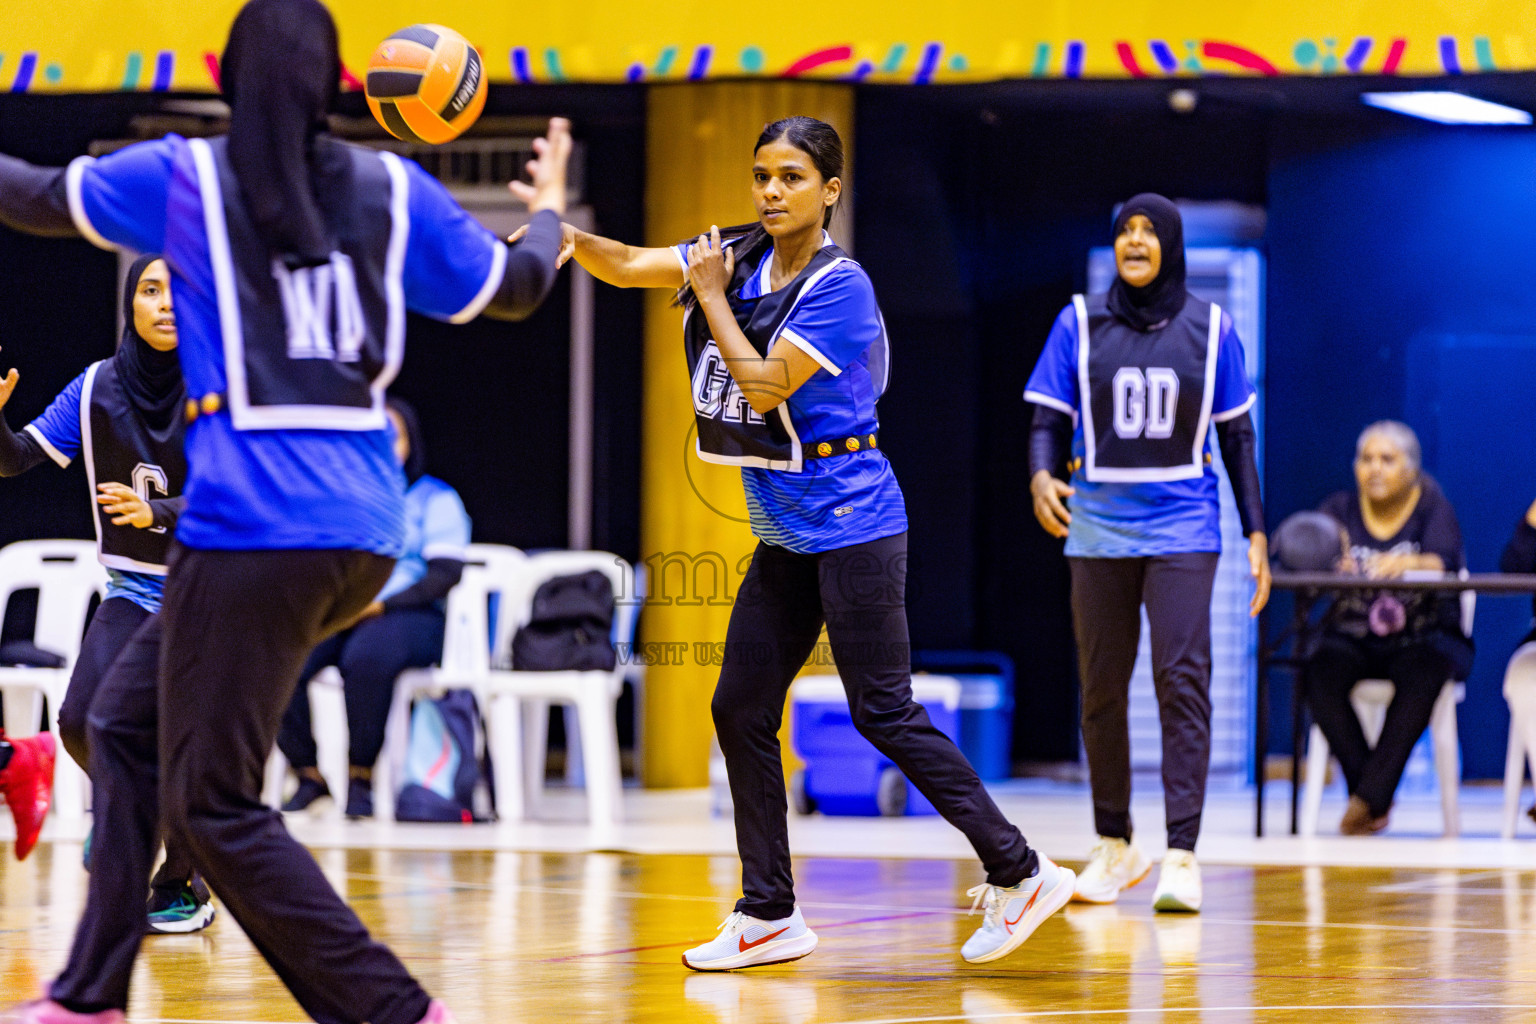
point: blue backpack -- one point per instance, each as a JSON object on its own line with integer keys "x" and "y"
{"x": 442, "y": 772}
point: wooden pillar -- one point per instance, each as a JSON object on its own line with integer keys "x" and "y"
{"x": 694, "y": 538}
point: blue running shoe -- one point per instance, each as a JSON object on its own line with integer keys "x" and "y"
{"x": 179, "y": 911}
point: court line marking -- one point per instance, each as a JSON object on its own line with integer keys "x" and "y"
{"x": 951, "y": 910}
{"x": 1258, "y": 1008}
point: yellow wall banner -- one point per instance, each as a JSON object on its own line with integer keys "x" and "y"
{"x": 102, "y": 45}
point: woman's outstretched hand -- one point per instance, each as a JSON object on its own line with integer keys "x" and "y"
{"x": 567, "y": 242}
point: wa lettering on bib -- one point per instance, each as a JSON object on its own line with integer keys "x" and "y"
{"x": 310, "y": 347}
{"x": 1146, "y": 406}
{"x": 730, "y": 432}
{"x": 119, "y": 447}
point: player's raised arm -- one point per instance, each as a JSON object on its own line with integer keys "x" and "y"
{"x": 533, "y": 261}
{"x": 35, "y": 200}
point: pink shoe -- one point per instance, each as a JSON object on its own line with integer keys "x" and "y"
{"x": 46, "y": 1011}
{"x": 437, "y": 1013}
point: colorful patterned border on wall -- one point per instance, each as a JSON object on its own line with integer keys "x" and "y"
{"x": 93, "y": 45}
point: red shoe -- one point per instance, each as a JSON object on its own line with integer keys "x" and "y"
{"x": 27, "y": 783}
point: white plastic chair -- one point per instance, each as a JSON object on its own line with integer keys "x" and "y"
{"x": 66, "y": 575}
{"x": 490, "y": 569}
{"x": 1370, "y": 698}
{"x": 516, "y": 702}
{"x": 1520, "y": 692}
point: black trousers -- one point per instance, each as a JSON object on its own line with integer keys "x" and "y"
{"x": 1107, "y": 596}
{"x": 230, "y": 641}
{"x": 114, "y": 623}
{"x": 1418, "y": 672}
{"x": 369, "y": 656}
{"x": 860, "y": 594}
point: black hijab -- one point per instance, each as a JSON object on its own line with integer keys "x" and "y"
{"x": 1145, "y": 308}
{"x": 280, "y": 73}
{"x": 416, "y": 458}
{"x": 152, "y": 378}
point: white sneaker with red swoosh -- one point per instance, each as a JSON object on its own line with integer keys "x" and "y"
{"x": 1013, "y": 913}
{"x": 749, "y": 942}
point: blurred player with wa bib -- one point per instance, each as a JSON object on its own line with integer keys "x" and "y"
{"x": 294, "y": 259}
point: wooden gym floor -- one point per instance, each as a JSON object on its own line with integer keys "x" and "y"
{"x": 589, "y": 936}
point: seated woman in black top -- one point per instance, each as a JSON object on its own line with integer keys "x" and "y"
{"x": 1520, "y": 677}
{"x": 1397, "y": 520}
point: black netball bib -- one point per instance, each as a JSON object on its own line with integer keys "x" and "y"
{"x": 729, "y": 431}
{"x": 1147, "y": 396}
{"x": 119, "y": 447}
{"x": 310, "y": 347}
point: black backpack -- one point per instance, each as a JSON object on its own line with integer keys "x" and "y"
{"x": 570, "y": 626}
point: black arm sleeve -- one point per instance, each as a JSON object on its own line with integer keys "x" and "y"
{"x": 1236, "y": 438}
{"x": 33, "y": 200}
{"x": 1050, "y": 442}
{"x": 530, "y": 270}
{"x": 442, "y": 575}
{"x": 18, "y": 452}
{"x": 167, "y": 510}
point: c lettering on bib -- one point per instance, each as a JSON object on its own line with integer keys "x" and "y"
{"x": 145, "y": 477}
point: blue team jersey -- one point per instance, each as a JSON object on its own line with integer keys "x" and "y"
{"x": 1145, "y": 518}
{"x": 436, "y": 526}
{"x": 59, "y": 434}
{"x": 287, "y": 487}
{"x": 848, "y": 499}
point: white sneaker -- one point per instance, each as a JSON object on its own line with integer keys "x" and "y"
{"x": 1015, "y": 912}
{"x": 749, "y": 942}
{"x": 1178, "y": 886}
{"x": 1114, "y": 864}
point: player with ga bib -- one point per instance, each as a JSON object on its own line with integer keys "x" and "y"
{"x": 124, "y": 414}
{"x": 295, "y": 258}
{"x": 1130, "y": 382}
{"x": 788, "y": 356}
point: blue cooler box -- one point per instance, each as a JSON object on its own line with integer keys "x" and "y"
{"x": 986, "y": 706}
{"x": 844, "y": 773}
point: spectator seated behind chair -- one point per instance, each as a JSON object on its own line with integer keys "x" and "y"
{"x": 1396, "y": 520}
{"x": 401, "y": 629}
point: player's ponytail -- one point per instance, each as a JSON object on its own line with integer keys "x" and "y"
{"x": 816, "y": 139}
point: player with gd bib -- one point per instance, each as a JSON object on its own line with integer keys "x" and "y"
{"x": 1131, "y": 381}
